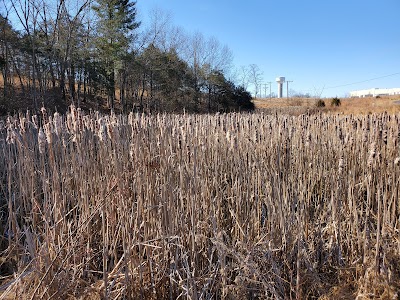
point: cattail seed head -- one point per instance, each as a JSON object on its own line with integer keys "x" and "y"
{"x": 48, "y": 130}
{"x": 102, "y": 132}
{"x": 110, "y": 132}
{"x": 130, "y": 118}
{"x": 131, "y": 151}
{"x": 41, "y": 141}
{"x": 44, "y": 114}
{"x": 365, "y": 136}
{"x": 22, "y": 124}
{"x": 341, "y": 164}
{"x": 371, "y": 154}
{"x": 70, "y": 122}
{"x": 228, "y": 136}
{"x": 57, "y": 121}
{"x": 340, "y": 135}
{"x": 10, "y": 139}
{"x": 35, "y": 121}
{"x": 385, "y": 136}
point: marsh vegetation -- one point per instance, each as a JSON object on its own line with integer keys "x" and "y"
{"x": 199, "y": 206}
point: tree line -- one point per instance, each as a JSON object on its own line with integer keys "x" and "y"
{"x": 86, "y": 52}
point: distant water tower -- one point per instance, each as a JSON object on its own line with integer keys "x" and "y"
{"x": 280, "y": 81}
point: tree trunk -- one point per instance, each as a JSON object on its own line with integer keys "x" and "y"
{"x": 122, "y": 90}
{"x": 78, "y": 93}
{"x": 34, "y": 76}
{"x": 85, "y": 79}
{"x": 53, "y": 77}
{"x": 111, "y": 86}
{"x": 142, "y": 91}
{"x": 209, "y": 98}
{"x": 16, "y": 68}
{"x": 62, "y": 82}
{"x": 71, "y": 81}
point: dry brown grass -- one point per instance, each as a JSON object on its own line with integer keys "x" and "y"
{"x": 356, "y": 106}
{"x": 200, "y": 207}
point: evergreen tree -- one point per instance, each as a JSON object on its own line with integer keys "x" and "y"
{"x": 8, "y": 38}
{"x": 116, "y": 23}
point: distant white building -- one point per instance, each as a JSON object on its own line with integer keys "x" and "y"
{"x": 375, "y": 92}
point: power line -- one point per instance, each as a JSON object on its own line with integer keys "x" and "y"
{"x": 287, "y": 88}
{"x": 347, "y": 84}
{"x": 270, "y": 95}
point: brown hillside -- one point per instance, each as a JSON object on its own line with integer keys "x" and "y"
{"x": 390, "y": 104}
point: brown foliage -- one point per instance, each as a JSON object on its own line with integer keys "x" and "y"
{"x": 213, "y": 206}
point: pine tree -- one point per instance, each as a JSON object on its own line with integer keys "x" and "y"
{"x": 116, "y": 23}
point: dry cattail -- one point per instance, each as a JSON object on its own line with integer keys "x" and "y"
{"x": 48, "y": 130}
{"x": 132, "y": 151}
{"x": 130, "y": 118}
{"x": 228, "y": 136}
{"x": 371, "y": 154}
{"x": 57, "y": 121}
{"x": 340, "y": 134}
{"x": 70, "y": 123}
{"x": 384, "y": 136}
{"x": 102, "y": 132}
{"x": 35, "y": 121}
{"x": 365, "y": 136}
{"x": 10, "y": 139}
{"x": 110, "y": 130}
{"x": 44, "y": 114}
{"x": 196, "y": 195}
{"x": 22, "y": 124}
{"x": 41, "y": 141}
{"x": 341, "y": 164}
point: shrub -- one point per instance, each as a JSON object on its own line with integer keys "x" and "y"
{"x": 320, "y": 103}
{"x": 335, "y": 102}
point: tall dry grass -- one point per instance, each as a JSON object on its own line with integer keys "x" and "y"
{"x": 354, "y": 106}
{"x": 199, "y": 207}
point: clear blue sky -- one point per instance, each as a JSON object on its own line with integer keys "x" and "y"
{"x": 315, "y": 43}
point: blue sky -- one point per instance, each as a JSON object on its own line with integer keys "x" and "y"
{"x": 320, "y": 45}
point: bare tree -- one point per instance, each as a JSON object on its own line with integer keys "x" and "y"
{"x": 243, "y": 76}
{"x": 195, "y": 56}
{"x": 255, "y": 76}
{"x": 162, "y": 33}
{"x": 205, "y": 57}
{"x": 218, "y": 60}
{"x": 177, "y": 40}
{"x": 6, "y": 36}
{"x": 27, "y": 13}
{"x": 157, "y": 30}
{"x": 218, "y": 56}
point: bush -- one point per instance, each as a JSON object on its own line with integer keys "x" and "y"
{"x": 243, "y": 99}
{"x": 335, "y": 102}
{"x": 320, "y": 103}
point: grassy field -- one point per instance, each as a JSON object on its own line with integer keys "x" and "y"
{"x": 348, "y": 105}
{"x": 226, "y": 206}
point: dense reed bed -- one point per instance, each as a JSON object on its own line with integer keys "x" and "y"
{"x": 228, "y": 206}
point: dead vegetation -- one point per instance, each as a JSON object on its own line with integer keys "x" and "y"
{"x": 228, "y": 206}
{"x": 355, "y": 106}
